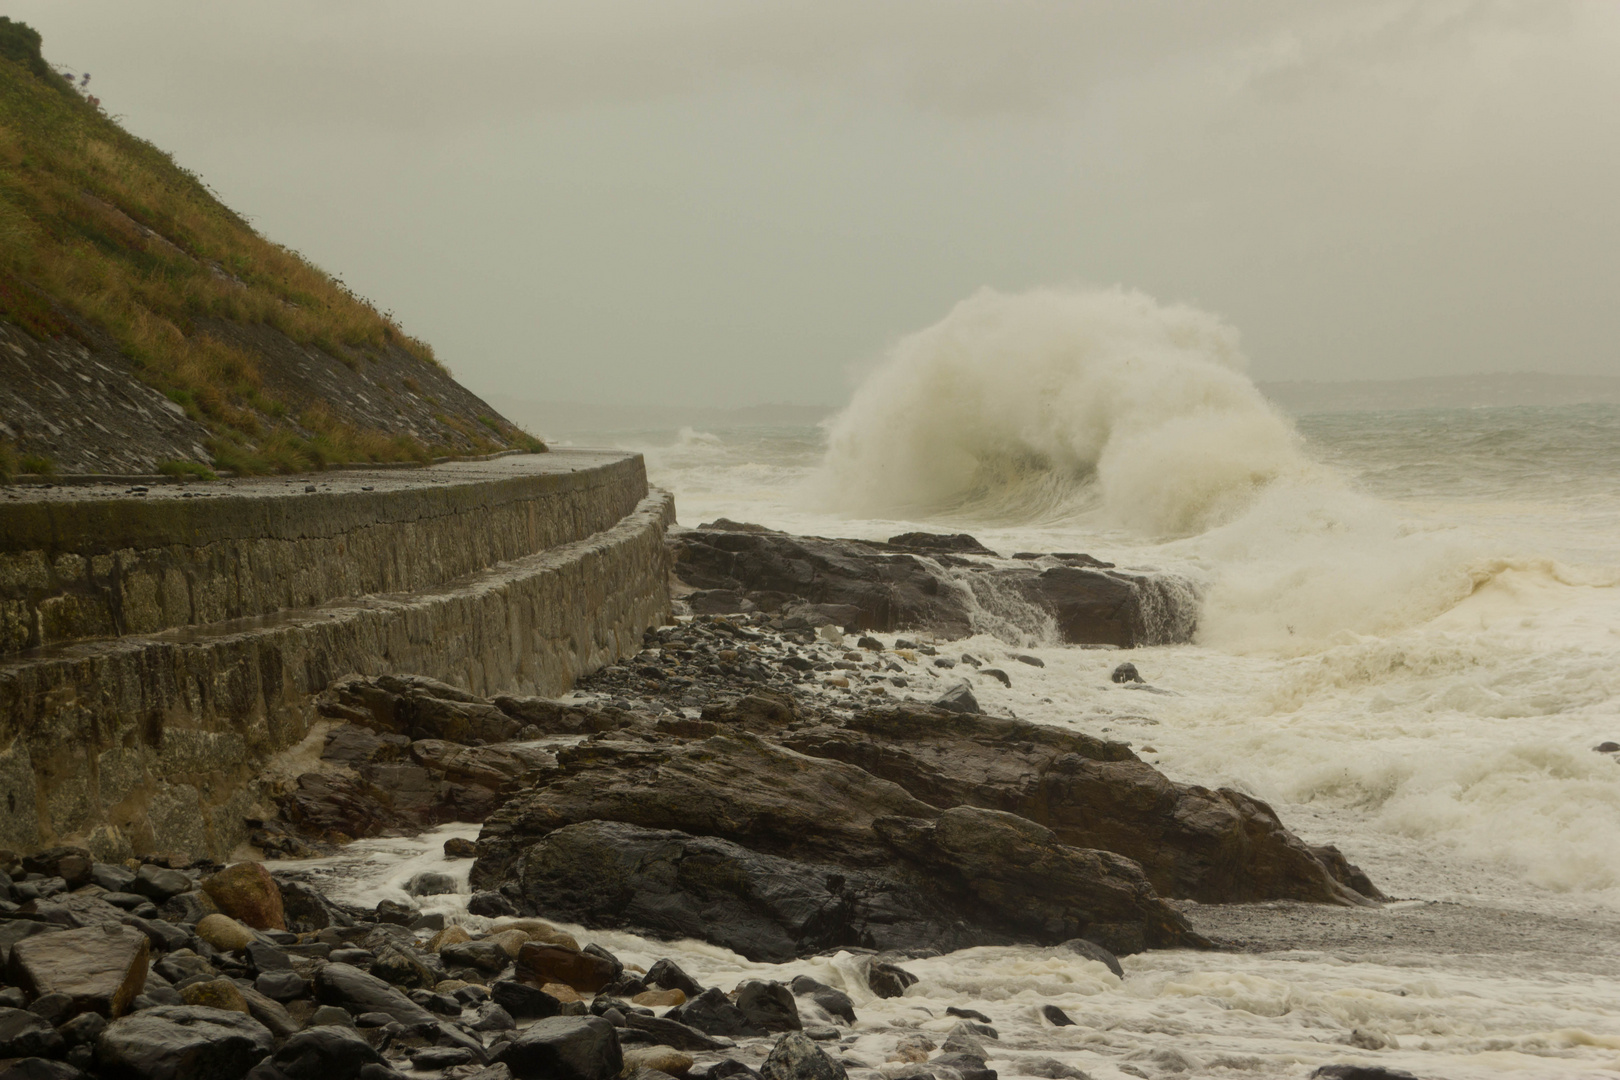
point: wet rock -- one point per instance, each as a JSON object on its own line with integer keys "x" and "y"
{"x": 1126, "y": 673}
{"x": 157, "y": 883}
{"x": 768, "y": 1005}
{"x": 325, "y": 1053}
{"x": 671, "y": 1032}
{"x": 958, "y": 699}
{"x": 183, "y": 1043}
{"x": 215, "y": 994}
{"x": 24, "y": 1034}
{"x": 1607, "y": 747}
{"x": 187, "y": 908}
{"x": 35, "y": 1068}
{"x": 964, "y": 1039}
{"x": 663, "y": 1059}
{"x": 543, "y": 963}
{"x": 888, "y": 980}
{"x": 997, "y": 674}
{"x": 269, "y": 1013}
{"x": 282, "y": 985}
{"x": 402, "y": 967}
{"x": 836, "y": 1003}
{"x": 433, "y": 1058}
{"x": 1359, "y": 1072}
{"x": 306, "y": 910}
{"x": 796, "y": 1057}
{"x": 54, "y": 1009}
{"x": 491, "y": 904}
{"x": 183, "y": 964}
{"x": 668, "y": 974}
{"x": 459, "y": 847}
{"x": 1032, "y": 661}
{"x": 1019, "y": 870}
{"x": 565, "y": 1048}
{"x": 653, "y": 999}
{"x": 491, "y": 1017}
{"x": 730, "y": 1069}
{"x": 967, "y": 1014}
{"x": 1092, "y": 951}
{"x": 673, "y": 884}
{"x": 73, "y": 865}
{"x": 82, "y": 1030}
{"x": 1056, "y": 1016}
{"x": 965, "y": 1066}
{"x": 99, "y": 969}
{"x": 247, "y": 893}
{"x": 224, "y": 933}
{"x": 713, "y": 1013}
{"x": 332, "y": 1016}
{"x": 523, "y": 1001}
{"x": 357, "y": 991}
{"x": 486, "y": 956}
{"x": 1214, "y": 846}
{"x": 1050, "y": 1069}
{"x": 15, "y": 930}
{"x": 735, "y": 786}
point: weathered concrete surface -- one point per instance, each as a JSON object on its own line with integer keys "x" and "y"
{"x": 81, "y": 563}
{"x": 157, "y": 741}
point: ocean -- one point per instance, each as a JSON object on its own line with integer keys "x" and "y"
{"x": 1408, "y": 644}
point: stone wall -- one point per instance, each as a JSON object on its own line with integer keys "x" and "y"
{"x": 160, "y": 741}
{"x": 105, "y": 567}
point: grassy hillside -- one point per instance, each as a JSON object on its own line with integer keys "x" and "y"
{"x": 105, "y": 240}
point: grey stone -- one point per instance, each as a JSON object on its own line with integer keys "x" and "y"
{"x": 958, "y": 699}
{"x": 340, "y": 984}
{"x": 158, "y": 884}
{"x": 282, "y": 985}
{"x": 1092, "y": 951}
{"x": 768, "y": 1005}
{"x": 431, "y": 883}
{"x": 668, "y": 975}
{"x": 324, "y": 1053}
{"x": 183, "y": 1043}
{"x": 331, "y": 1016}
{"x": 796, "y": 1057}
{"x": 491, "y": 1017}
{"x": 565, "y": 1048}
{"x": 523, "y": 1001}
{"x": 24, "y": 1034}
{"x": 669, "y": 1032}
{"x": 1056, "y": 1016}
{"x": 713, "y": 1013}
{"x": 100, "y": 968}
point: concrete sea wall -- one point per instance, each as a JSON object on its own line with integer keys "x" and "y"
{"x": 514, "y": 579}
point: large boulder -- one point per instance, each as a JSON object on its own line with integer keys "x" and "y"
{"x": 565, "y": 1048}
{"x": 673, "y": 884}
{"x": 182, "y": 1042}
{"x": 1214, "y": 846}
{"x": 100, "y": 969}
{"x": 247, "y": 893}
{"x": 347, "y": 986}
{"x": 796, "y": 1057}
{"x": 736, "y": 786}
{"x": 541, "y": 962}
{"x": 325, "y": 1053}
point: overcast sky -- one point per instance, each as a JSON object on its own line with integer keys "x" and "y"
{"x": 734, "y": 201}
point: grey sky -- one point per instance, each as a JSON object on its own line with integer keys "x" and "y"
{"x": 733, "y": 202}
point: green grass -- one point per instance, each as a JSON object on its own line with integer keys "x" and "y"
{"x": 190, "y": 469}
{"x": 36, "y": 465}
{"x": 108, "y": 229}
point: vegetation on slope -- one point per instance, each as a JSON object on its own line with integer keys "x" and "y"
{"x": 103, "y": 233}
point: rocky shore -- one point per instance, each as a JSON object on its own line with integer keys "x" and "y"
{"x": 756, "y": 779}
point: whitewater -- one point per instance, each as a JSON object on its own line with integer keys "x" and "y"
{"x": 1408, "y": 643}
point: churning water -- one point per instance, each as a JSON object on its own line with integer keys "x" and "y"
{"x": 1409, "y": 643}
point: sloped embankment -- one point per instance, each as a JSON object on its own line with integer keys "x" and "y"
{"x": 143, "y": 322}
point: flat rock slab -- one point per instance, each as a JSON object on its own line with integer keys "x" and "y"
{"x": 101, "y": 968}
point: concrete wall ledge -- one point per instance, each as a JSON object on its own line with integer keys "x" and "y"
{"x": 156, "y": 742}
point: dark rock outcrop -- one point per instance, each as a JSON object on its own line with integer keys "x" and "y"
{"x": 1214, "y": 846}
{"x": 929, "y": 582}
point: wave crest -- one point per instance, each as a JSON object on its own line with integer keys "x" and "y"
{"x": 1057, "y": 402}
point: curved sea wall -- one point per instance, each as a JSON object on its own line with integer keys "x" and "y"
{"x": 516, "y": 575}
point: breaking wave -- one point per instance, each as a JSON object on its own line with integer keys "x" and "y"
{"x": 1055, "y": 403}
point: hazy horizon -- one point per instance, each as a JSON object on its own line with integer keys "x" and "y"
{"x": 725, "y": 203}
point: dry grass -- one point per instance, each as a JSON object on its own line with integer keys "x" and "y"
{"x": 112, "y": 230}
